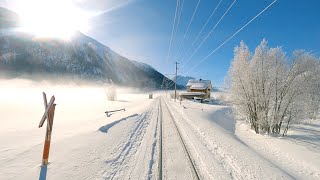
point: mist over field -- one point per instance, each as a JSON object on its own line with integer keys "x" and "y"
{"x": 21, "y": 101}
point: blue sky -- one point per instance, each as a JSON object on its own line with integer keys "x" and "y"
{"x": 141, "y": 30}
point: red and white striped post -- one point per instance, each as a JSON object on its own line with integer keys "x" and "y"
{"x": 49, "y": 115}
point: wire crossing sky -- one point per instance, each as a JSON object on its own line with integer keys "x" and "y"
{"x": 216, "y": 49}
{"x": 208, "y": 35}
{"x": 173, "y": 29}
{"x": 185, "y": 34}
{"x": 208, "y": 20}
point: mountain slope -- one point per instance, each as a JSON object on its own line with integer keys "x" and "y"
{"x": 182, "y": 80}
{"x": 8, "y": 18}
{"x": 81, "y": 57}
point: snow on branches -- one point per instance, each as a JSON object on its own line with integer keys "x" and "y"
{"x": 272, "y": 90}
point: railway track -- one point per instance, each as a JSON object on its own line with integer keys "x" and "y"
{"x": 164, "y": 148}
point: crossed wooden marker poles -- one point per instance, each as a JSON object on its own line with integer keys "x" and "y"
{"x": 49, "y": 115}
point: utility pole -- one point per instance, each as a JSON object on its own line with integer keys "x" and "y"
{"x": 175, "y": 83}
{"x": 164, "y": 84}
{"x": 167, "y": 80}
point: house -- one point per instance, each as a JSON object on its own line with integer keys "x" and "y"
{"x": 197, "y": 88}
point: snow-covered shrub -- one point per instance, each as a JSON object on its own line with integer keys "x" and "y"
{"x": 221, "y": 98}
{"x": 172, "y": 95}
{"x": 111, "y": 91}
{"x": 271, "y": 90}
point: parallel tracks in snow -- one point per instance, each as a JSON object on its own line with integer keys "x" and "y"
{"x": 186, "y": 150}
{"x": 215, "y": 150}
{"x": 160, "y": 140}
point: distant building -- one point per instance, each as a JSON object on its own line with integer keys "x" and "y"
{"x": 197, "y": 88}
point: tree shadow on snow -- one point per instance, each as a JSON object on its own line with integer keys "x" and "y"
{"x": 311, "y": 142}
{"x": 312, "y": 125}
{"x": 309, "y": 137}
{"x": 224, "y": 119}
{"x": 105, "y": 128}
{"x": 306, "y": 130}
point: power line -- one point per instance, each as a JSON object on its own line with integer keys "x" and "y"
{"x": 209, "y": 18}
{"x": 231, "y": 36}
{"x": 192, "y": 19}
{"x": 221, "y": 18}
{"x": 214, "y": 11}
{"x": 209, "y": 33}
{"x": 173, "y": 26}
{"x": 185, "y": 34}
{"x": 179, "y": 17}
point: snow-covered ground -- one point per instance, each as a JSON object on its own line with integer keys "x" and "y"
{"x": 298, "y": 153}
{"x": 85, "y": 142}
{"x": 246, "y": 155}
{"x": 198, "y": 140}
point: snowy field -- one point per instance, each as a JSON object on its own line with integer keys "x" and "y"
{"x": 80, "y": 136}
{"x": 199, "y": 141}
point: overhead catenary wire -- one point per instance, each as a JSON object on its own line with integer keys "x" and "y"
{"x": 225, "y": 13}
{"x": 234, "y": 34}
{"x": 188, "y": 27}
{"x": 208, "y": 20}
{"x": 173, "y": 27}
{"x": 216, "y": 49}
{"x": 215, "y": 26}
{"x": 178, "y": 22}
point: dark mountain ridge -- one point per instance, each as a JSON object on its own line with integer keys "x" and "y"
{"x": 82, "y": 57}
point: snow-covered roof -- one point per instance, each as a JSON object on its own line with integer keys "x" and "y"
{"x": 199, "y": 84}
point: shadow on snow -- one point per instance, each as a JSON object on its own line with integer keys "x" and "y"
{"x": 105, "y": 128}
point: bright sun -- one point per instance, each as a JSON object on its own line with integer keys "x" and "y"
{"x": 51, "y": 18}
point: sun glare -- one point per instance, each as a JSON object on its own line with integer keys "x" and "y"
{"x": 51, "y": 18}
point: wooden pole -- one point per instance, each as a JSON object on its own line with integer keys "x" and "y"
{"x": 45, "y": 107}
{"x": 46, "y": 147}
{"x": 175, "y": 83}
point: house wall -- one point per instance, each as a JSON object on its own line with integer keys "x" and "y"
{"x": 202, "y": 90}
{"x": 207, "y": 91}
{"x": 196, "y": 90}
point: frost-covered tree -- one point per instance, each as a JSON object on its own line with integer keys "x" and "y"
{"x": 273, "y": 91}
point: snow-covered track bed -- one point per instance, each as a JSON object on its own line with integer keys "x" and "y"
{"x": 175, "y": 160}
{"x": 134, "y": 158}
{"x": 211, "y": 161}
{"x": 144, "y": 164}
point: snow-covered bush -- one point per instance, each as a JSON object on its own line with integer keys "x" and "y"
{"x": 111, "y": 91}
{"x": 271, "y": 90}
{"x": 221, "y": 98}
{"x": 172, "y": 95}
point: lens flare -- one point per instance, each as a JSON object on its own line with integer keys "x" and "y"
{"x": 51, "y": 18}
